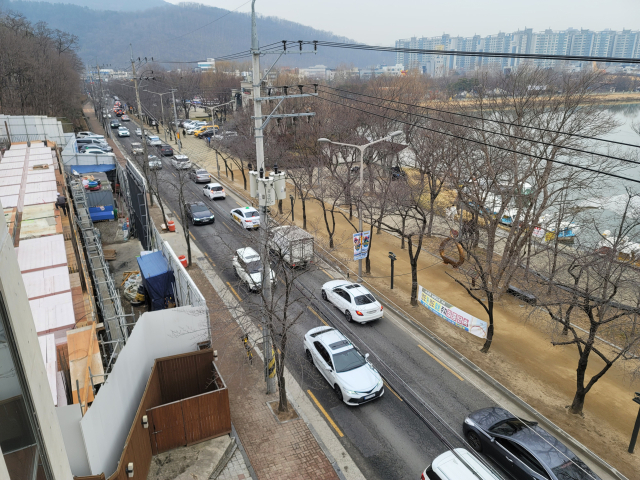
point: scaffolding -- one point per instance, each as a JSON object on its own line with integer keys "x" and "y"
{"x": 106, "y": 293}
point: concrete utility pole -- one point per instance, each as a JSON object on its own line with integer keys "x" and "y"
{"x": 145, "y": 160}
{"x": 264, "y": 218}
{"x": 175, "y": 116}
{"x": 102, "y": 116}
{"x": 164, "y": 125}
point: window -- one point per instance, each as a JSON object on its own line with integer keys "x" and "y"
{"x": 510, "y": 426}
{"x": 323, "y": 353}
{"x": 364, "y": 299}
{"x": 348, "y": 360}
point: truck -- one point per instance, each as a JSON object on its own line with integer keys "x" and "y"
{"x": 293, "y": 244}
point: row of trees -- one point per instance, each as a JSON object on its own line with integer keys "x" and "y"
{"x": 40, "y": 71}
{"x": 505, "y": 162}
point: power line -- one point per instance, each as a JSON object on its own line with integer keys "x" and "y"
{"x": 531, "y": 56}
{"x": 486, "y": 119}
{"x": 600, "y": 172}
{"x": 479, "y": 129}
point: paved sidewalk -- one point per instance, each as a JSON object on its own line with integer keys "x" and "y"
{"x": 236, "y": 469}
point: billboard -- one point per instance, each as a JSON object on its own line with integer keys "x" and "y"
{"x": 361, "y": 241}
{"x": 452, "y": 314}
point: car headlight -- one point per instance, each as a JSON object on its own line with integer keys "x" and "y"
{"x": 469, "y": 422}
{"x": 379, "y": 385}
{"x": 351, "y": 392}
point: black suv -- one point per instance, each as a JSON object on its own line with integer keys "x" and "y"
{"x": 114, "y": 124}
{"x": 165, "y": 150}
{"x": 199, "y": 213}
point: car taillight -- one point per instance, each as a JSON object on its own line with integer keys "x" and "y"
{"x": 422, "y": 476}
{"x": 248, "y": 221}
{"x": 358, "y": 312}
{"x": 381, "y": 307}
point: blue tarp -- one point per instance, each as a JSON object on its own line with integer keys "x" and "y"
{"x": 157, "y": 279}
{"x": 101, "y": 213}
{"x": 82, "y": 169}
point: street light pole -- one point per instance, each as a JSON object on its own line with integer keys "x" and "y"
{"x": 175, "y": 117}
{"x": 361, "y": 149}
{"x": 393, "y": 259}
{"x": 162, "y": 109}
{"x": 636, "y": 427}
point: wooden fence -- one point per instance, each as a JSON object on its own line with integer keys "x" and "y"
{"x": 187, "y": 399}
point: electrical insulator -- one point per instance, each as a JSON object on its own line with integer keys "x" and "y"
{"x": 280, "y": 185}
{"x": 253, "y": 184}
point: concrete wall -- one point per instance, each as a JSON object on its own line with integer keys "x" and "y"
{"x": 21, "y": 322}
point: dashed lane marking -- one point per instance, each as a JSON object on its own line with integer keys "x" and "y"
{"x": 209, "y": 258}
{"x": 234, "y": 292}
{"x": 324, "y": 412}
{"x": 440, "y": 362}
{"x": 319, "y": 317}
{"x": 327, "y": 273}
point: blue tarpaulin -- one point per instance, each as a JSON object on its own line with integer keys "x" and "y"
{"x": 157, "y": 279}
{"x": 101, "y": 213}
{"x": 82, "y": 169}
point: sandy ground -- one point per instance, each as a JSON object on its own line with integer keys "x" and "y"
{"x": 521, "y": 357}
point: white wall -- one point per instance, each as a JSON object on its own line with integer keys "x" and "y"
{"x": 19, "y": 316}
{"x": 157, "y": 334}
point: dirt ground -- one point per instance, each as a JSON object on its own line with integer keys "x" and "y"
{"x": 521, "y": 356}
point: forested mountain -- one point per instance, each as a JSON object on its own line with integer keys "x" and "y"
{"x": 116, "y": 5}
{"x": 178, "y": 33}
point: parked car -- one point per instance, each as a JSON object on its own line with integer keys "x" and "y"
{"x": 248, "y": 267}
{"x": 201, "y": 129}
{"x": 154, "y": 141}
{"x": 460, "y": 465}
{"x": 180, "y": 162}
{"x": 522, "y": 448}
{"x": 165, "y": 150}
{"x": 187, "y": 124}
{"x": 200, "y": 175}
{"x": 154, "y": 163}
{"x": 114, "y": 124}
{"x": 102, "y": 148}
{"x": 86, "y": 141}
{"x": 194, "y": 127}
{"x": 225, "y": 135}
{"x": 84, "y": 134}
{"x": 125, "y": 118}
{"x": 95, "y": 151}
{"x": 354, "y": 300}
{"x": 123, "y": 132}
{"x": 353, "y": 378}
{"x": 138, "y": 132}
{"x": 199, "y": 213}
{"x": 137, "y": 148}
{"x": 213, "y": 191}
{"x": 396, "y": 172}
{"x": 246, "y": 217}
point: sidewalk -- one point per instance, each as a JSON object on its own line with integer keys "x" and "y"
{"x": 521, "y": 357}
{"x": 273, "y": 450}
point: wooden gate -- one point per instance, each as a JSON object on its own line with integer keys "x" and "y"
{"x": 166, "y": 427}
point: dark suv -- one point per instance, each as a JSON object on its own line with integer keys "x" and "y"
{"x": 165, "y": 150}
{"x": 199, "y": 213}
{"x": 114, "y": 124}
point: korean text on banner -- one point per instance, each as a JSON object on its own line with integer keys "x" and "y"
{"x": 453, "y": 314}
{"x": 361, "y": 243}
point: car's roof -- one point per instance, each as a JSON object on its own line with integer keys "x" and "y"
{"x": 335, "y": 340}
{"x": 248, "y": 254}
{"x": 201, "y": 170}
{"x": 449, "y": 467}
{"x": 136, "y": 143}
{"x": 354, "y": 289}
{"x": 246, "y": 209}
{"x": 213, "y": 185}
{"x": 181, "y": 157}
{"x": 191, "y": 204}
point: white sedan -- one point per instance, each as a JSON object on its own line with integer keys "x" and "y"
{"x": 213, "y": 191}
{"x": 123, "y": 132}
{"x": 353, "y": 378}
{"x": 352, "y": 299}
{"x": 246, "y": 217}
{"x": 248, "y": 267}
{"x": 138, "y": 132}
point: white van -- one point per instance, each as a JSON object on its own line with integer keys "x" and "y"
{"x": 448, "y": 466}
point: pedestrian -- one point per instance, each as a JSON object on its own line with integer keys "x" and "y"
{"x": 61, "y": 201}
{"x": 208, "y": 141}
{"x": 184, "y": 132}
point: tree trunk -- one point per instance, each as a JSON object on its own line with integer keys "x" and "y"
{"x": 244, "y": 178}
{"x": 431, "y": 215}
{"x": 578, "y": 402}
{"x": 283, "y": 403}
{"x": 367, "y": 262}
{"x": 304, "y": 213}
{"x": 487, "y": 343}
{"x": 279, "y": 201}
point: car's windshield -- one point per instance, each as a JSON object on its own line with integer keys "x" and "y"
{"x": 154, "y": 138}
{"x": 251, "y": 214}
{"x": 201, "y": 172}
{"x": 509, "y": 427}
{"x": 254, "y": 267}
{"x": 348, "y": 360}
{"x": 216, "y": 189}
{"x": 364, "y": 299}
{"x": 199, "y": 208}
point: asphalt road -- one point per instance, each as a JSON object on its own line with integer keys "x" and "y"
{"x": 388, "y": 438}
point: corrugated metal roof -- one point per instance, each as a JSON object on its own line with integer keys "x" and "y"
{"x": 44, "y": 252}
{"x": 51, "y": 281}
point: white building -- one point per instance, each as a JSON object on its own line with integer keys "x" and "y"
{"x": 208, "y": 66}
{"x": 318, "y": 72}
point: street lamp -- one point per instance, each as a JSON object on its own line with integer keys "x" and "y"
{"x": 393, "y": 259}
{"x": 634, "y": 435}
{"x": 162, "y": 107}
{"x": 361, "y": 149}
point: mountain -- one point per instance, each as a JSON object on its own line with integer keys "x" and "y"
{"x": 115, "y": 5}
{"x": 182, "y": 33}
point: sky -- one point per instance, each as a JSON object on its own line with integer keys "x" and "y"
{"x": 381, "y": 22}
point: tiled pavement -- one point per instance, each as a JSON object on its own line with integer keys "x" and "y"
{"x": 236, "y": 469}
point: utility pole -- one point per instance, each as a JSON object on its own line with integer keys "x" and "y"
{"x": 145, "y": 160}
{"x": 102, "y": 115}
{"x": 175, "y": 116}
{"x": 264, "y": 218}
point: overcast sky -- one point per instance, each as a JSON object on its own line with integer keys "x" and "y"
{"x": 381, "y": 22}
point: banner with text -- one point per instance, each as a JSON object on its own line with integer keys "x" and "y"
{"x": 452, "y": 314}
{"x": 361, "y": 245}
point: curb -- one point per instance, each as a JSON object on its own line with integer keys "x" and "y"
{"x": 226, "y": 456}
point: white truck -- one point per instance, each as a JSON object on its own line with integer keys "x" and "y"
{"x": 293, "y": 244}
